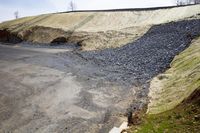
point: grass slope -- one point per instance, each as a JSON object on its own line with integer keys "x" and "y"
{"x": 185, "y": 118}
{"x": 179, "y": 82}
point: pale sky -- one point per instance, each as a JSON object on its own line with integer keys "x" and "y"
{"x": 35, "y": 7}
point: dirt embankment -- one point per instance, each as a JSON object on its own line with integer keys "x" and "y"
{"x": 87, "y": 40}
{"x": 94, "y": 30}
{"x": 8, "y": 37}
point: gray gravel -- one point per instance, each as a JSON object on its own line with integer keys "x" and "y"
{"x": 149, "y": 55}
{"x": 135, "y": 64}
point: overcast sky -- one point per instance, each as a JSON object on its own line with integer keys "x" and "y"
{"x": 35, "y": 7}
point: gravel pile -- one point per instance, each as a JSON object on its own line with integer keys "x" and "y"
{"x": 129, "y": 69}
{"x": 148, "y": 56}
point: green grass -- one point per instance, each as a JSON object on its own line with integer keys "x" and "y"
{"x": 185, "y": 118}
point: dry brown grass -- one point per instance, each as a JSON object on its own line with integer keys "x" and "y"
{"x": 98, "y": 29}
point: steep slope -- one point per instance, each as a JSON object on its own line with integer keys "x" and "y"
{"x": 179, "y": 82}
{"x": 175, "y": 96}
{"x": 94, "y": 30}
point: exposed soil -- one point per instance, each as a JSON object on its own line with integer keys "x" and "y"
{"x": 193, "y": 98}
{"x": 8, "y": 37}
{"x": 87, "y": 40}
{"x": 59, "y": 40}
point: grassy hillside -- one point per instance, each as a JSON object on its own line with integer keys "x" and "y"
{"x": 184, "y": 118}
{"x": 94, "y": 30}
{"x": 104, "y": 21}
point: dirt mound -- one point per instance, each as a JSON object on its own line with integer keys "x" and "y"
{"x": 88, "y": 40}
{"x": 42, "y": 34}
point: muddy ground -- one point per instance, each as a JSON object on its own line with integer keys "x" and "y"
{"x": 67, "y": 90}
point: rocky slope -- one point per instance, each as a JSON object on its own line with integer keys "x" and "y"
{"x": 179, "y": 82}
{"x": 175, "y": 96}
